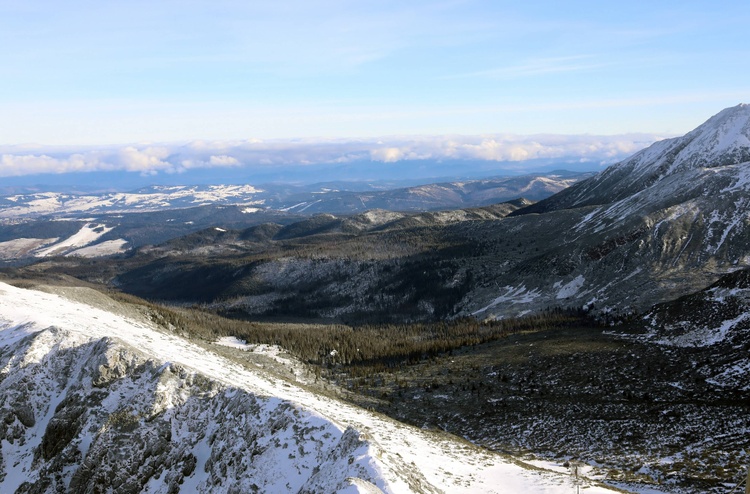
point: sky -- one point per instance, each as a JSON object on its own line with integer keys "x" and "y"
{"x": 103, "y": 73}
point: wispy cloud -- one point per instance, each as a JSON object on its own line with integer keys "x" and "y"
{"x": 255, "y": 153}
{"x": 538, "y": 66}
{"x": 104, "y": 72}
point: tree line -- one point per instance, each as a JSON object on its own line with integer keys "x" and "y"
{"x": 362, "y": 349}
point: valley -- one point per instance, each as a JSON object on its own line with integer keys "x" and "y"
{"x": 97, "y": 396}
{"x": 602, "y": 323}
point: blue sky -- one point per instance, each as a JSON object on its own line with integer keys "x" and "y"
{"x": 93, "y": 72}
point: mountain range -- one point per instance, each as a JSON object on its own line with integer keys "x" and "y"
{"x": 648, "y": 258}
{"x": 647, "y": 230}
{"x": 40, "y": 224}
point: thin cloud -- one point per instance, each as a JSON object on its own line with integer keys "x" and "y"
{"x": 540, "y": 66}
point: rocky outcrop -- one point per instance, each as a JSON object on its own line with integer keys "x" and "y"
{"x": 93, "y": 401}
{"x": 111, "y": 418}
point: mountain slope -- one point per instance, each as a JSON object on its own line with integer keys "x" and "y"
{"x": 722, "y": 141}
{"x": 95, "y": 397}
{"x": 287, "y": 198}
{"x": 662, "y": 224}
{"x": 716, "y": 319}
{"x": 45, "y": 224}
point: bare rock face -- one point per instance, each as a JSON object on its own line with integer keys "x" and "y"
{"x": 63, "y": 427}
{"x": 104, "y": 416}
{"x": 25, "y": 414}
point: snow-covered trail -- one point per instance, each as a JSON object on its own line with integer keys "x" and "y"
{"x": 439, "y": 460}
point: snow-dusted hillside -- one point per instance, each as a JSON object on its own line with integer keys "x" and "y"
{"x": 664, "y": 223}
{"x": 716, "y": 319}
{"x": 113, "y": 223}
{"x": 151, "y": 199}
{"x": 83, "y": 243}
{"x": 305, "y": 200}
{"x": 722, "y": 141}
{"x": 94, "y": 397}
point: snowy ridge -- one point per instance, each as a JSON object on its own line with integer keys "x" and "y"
{"x": 666, "y": 222}
{"x": 151, "y": 199}
{"x": 83, "y": 243}
{"x": 725, "y": 138}
{"x": 95, "y": 397}
{"x": 721, "y": 142}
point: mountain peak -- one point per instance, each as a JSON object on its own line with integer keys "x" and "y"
{"x": 721, "y": 141}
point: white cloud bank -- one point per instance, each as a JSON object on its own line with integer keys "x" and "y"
{"x": 254, "y": 153}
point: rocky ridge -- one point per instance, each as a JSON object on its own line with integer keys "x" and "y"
{"x": 664, "y": 223}
{"x": 97, "y": 398}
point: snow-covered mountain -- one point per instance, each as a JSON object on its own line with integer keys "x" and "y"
{"x": 717, "y": 146}
{"x": 155, "y": 198}
{"x": 46, "y": 224}
{"x": 95, "y": 397}
{"x": 321, "y": 198}
{"x": 665, "y": 223}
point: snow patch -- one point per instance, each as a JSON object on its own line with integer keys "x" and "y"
{"x": 706, "y": 336}
{"x": 733, "y": 376}
{"x": 88, "y": 234}
{"x": 107, "y": 248}
{"x": 512, "y": 295}
{"x": 571, "y": 288}
{"x": 234, "y": 342}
